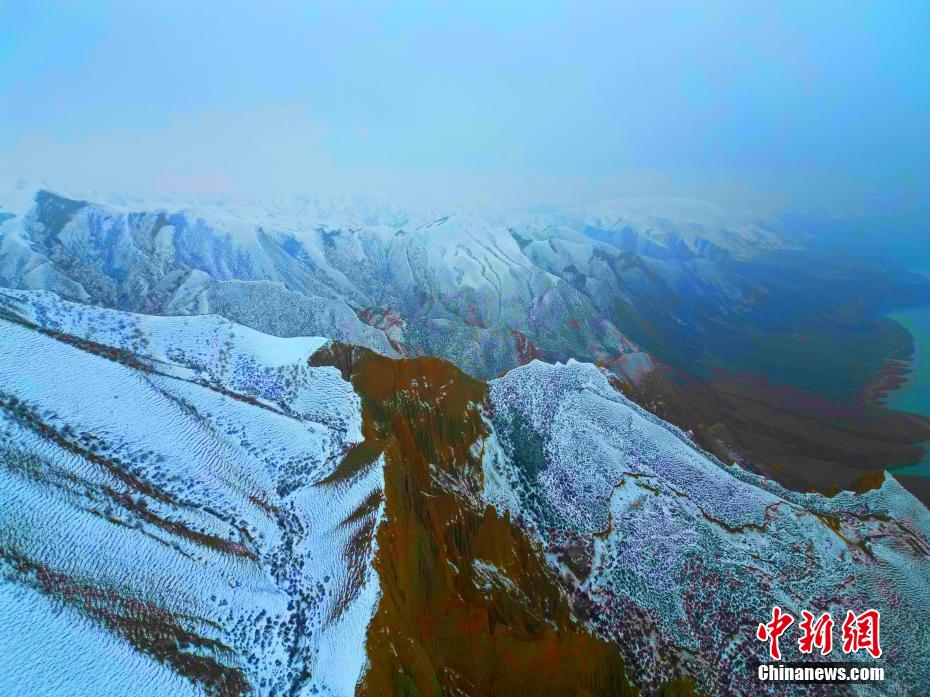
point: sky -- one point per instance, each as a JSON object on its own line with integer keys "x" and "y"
{"x": 760, "y": 105}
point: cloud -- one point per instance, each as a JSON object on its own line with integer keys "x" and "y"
{"x": 213, "y": 151}
{"x": 208, "y": 183}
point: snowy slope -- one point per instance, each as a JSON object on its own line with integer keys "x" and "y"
{"x": 698, "y": 224}
{"x": 678, "y": 557}
{"x": 163, "y": 525}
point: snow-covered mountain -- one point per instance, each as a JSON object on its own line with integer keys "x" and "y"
{"x": 164, "y": 525}
{"x": 486, "y": 291}
{"x": 455, "y": 286}
{"x": 674, "y": 555}
{"x": 192, "y": 507}
{"x": 673, "y": 296}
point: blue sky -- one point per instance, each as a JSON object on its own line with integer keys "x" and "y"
{"x": 756, "y": 105}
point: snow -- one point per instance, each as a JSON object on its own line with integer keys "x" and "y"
{"x": 673, "y": 536}
{"x": 455, "y": 281}
{"x": 75, "y": 653}
{"x": 120, "y": 469}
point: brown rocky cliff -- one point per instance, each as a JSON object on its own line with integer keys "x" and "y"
{"x": 468, "y": 605}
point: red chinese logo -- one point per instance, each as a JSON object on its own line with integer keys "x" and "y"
{"x": 774, "y": 629}
{"x": 860, "y": 632}
{"x": 817, "y": 634}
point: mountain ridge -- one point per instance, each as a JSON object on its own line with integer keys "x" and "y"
{"x": 247, "y": 469}
{"x": 686, "y": 323}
